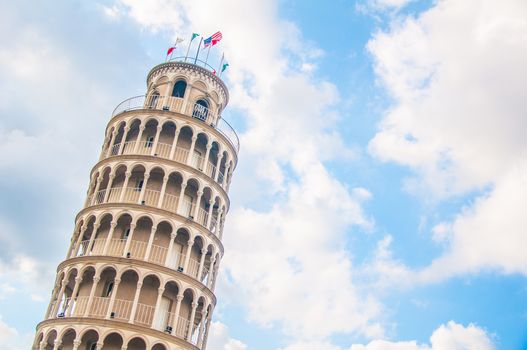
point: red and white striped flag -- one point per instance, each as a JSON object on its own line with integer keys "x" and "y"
{"x": 213, "y": 39}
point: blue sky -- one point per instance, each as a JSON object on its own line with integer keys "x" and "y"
{"x": 379, "y": 198}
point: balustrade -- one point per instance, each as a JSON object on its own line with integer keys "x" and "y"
{"x": 137, "y": 250}
{"x": 163, "y": 150}
{"x": 121, "y": 311}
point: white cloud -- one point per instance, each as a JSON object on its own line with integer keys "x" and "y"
{"x": 456, "y": 73}
{"x": 451, "y": 336}
{"x": 11, "y": 339}
{"x": 219, "y": 338}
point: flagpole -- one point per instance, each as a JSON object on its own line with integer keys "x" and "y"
{"x": 188, "y": 49}
{"x": 207, "y": 58}
{"x": 175, "y": 44}
{"x": 197, "y": 53}
{"x": 221, "y": 64}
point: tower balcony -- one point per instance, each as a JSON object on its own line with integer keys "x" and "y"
{"x": 210, "y": 220}
{"x": 177, "y": 105}
{"x": 121, "y": 310}
{"x": 155, "y": 254}
{"x": 170, "y": 152}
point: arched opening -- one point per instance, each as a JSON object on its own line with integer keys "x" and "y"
{"x": 131, "y": 137}
{"x": 176, "y": 258}
{"x": 101, "y": 235}
{"x": 139, "y": 238}
{"x": 67, "y": 339}
{"x": 201, "y": 110}
{"x": 113, "y": 341}
{"x": 159, "y": 347}
{"x": 189, "y": 199}
{"x": 136, "y": 344}
{"x": 144, "y": 314}
{"x": 183, "y": 144}
{"x": 179, "y": 89}
{"x": 50, "y": 341}
{"x": 172, "y": 190}
{"x": 166, "y": 138}
{"x": 200, "y": 148}
{"x": 122, "y": 306}
{"x": 158, "y": 251}
{"x": 90, "y": 339}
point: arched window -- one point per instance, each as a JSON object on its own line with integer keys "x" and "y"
{"x": 153, "y": 100}
{"x": 179, "y": 89}
{"x": 201, "y": 110}
{"x": 108, "y": 289}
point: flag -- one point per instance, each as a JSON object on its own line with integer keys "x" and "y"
{"x": 214, "y": 71}
{"x": 212, "y": 40}
{"x": 225, "y": 65}
{"x": 194, "y": 35}
{"x": 171, "y": 49}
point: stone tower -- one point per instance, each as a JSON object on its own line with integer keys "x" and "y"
{"x": 141, "y": 268}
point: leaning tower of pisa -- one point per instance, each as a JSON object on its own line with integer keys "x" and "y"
{"x": 144, "y": 255}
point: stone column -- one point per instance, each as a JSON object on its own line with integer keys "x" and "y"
{"x": 191, "y": 322}
{"x": 78, "y": 281}
{"x": 174, "y": 145}
{"x": 218, "y": 164}
{"x": 96, "y": 190}
{"x": 116, "y": 283}
{"x": 206, "y": 335}
{"x": 160, "y": 292}
{"x": 170, "y": 247}
{"x": 143, "y": 189}
{"x": 113, "y": 224}
{"x": 191, "y": 150}
{"x": 123, "y": 140}
{"x": 83, "y": 229}
{"x": 162, "y": 193}
{"x": 201, "y": 263}
{"x": 150, "y": 240}
{"x": 57, "y": 344}
{"x": 128, "y": 240}
{"x": 227, "y": 169}
{"x": 108, "y": 187}
{"x": 196, "y": 208}
{"x": 187, "y": 256}
{"x": 202, "y": 327}
{"x": 175, "y": 321}
{"x": 218, "y": 222}
{"x": 211, "y": 271}
{"x": 206, "y": 159}
{"x": 60, "y": 296}
{"x": 76, "y": 344}
{"x": 92, "y": 237}
{"x": 96, "y": 280}
{"x": 181, "y": 196}
{"x": 136, "y": 299}
{"x": 156, "y": 140}
{"x": 209, "y": 216}
{"x": 112, "y": 140}
{"x": 138, "y": 140}
{"x": 127, "y": 176}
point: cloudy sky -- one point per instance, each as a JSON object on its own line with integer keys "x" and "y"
{"x": 380, "y": 201}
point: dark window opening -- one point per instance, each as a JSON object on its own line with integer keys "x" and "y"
{"x": 179, "y": 89}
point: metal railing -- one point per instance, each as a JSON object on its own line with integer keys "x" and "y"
{"x": 175, "y": 104}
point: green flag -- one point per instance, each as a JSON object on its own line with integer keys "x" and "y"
{"x": 224, "y": 67}
{"x": 194, "y": 35}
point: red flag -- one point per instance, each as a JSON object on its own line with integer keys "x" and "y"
{"x": 170, "y": 50}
